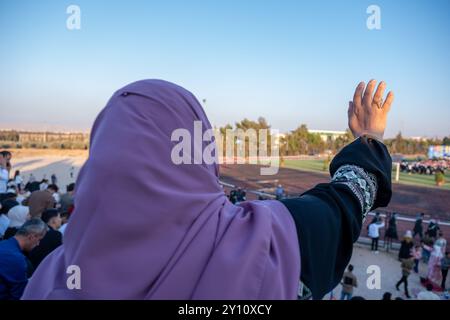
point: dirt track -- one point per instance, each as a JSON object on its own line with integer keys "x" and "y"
{"x": 407, "y": 200}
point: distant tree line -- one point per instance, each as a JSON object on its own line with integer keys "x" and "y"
{"x": 402, "y": 145}
{"x": 296, "y": 142}
{"x": 43, "y": 140}
{"x": 302, "y": 142}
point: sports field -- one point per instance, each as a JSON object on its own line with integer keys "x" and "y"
{"x": 412, "y": 179}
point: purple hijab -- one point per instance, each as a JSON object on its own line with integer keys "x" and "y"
{"x": 145, "y": 228}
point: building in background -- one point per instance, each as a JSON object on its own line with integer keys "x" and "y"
{"x": 328, "y": 135}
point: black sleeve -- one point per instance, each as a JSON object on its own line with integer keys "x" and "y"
{"x": 329, "y": 217}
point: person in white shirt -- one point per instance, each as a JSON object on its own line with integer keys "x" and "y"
{"x": 374, "y": 233}
{"x": 5, "y": 157}
{"x": 43, "y": 185}
{"x": 4, "y": 223}
{"x": 3, "y": 179}
{"x": 57, "y": 198}
{"x": 18, "y": 180}
{"x": 429, "y": 294}
{"x": 22, "y": 195}
{"x": 63, "y": 228}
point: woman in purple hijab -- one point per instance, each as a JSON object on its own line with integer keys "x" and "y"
{"x": 146, "y": 228}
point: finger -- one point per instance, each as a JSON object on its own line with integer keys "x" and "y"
{"x": 358, "y": 95}
{"x": 351, "y": 114}
{"x": 378, "y": 97}
{"x": 388, "y": 102}
{"x": 351, "y": 110}
{"x": 367, "y": 98}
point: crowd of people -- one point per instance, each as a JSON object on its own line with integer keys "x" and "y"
{"x": 429, "y": 167}
{"x": 33, "y": 217}
{"x": 416, "y": 245}
{"x": 238, "y": 194}
{"x": 349, "y": 282}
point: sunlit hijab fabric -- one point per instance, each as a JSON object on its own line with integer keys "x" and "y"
{"x": 145, "y": 228}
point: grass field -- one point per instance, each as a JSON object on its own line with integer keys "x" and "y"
{"x": 413, "y": 179}
{"x": 306, "y": 165}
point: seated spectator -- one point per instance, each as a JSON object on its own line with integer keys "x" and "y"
{"x": 32, "y": 186}
{"x": 13, "y": 264}
{"x": 65, "y": 219}
{"x": 12, "y": 187}
{"x": 8, "y": 203}
{"x": 357, "y": 298}
{"x": 17, "y": 215}
{"x": 52, "y": 239}
{"x": 5, "y": 205}
{"x": 39, "y": 201}
{"x": 67, "y": 198}
{"x": 387, "y": 296}
{"x": 22, "y": 195}
{"x": 428, "y": 294}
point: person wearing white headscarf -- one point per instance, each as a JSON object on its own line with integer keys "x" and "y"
{"x": 17, "y": 216}
{"x": 434, "y": 264}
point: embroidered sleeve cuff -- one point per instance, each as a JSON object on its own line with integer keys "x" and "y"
{"x": 361, "y": 183}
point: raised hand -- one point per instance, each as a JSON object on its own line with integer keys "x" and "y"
{"x": 367, "y": 113}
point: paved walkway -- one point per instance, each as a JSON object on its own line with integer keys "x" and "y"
{"x": 390, "y": 273}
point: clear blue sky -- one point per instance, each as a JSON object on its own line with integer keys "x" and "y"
{"x": 292, "y": 62}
